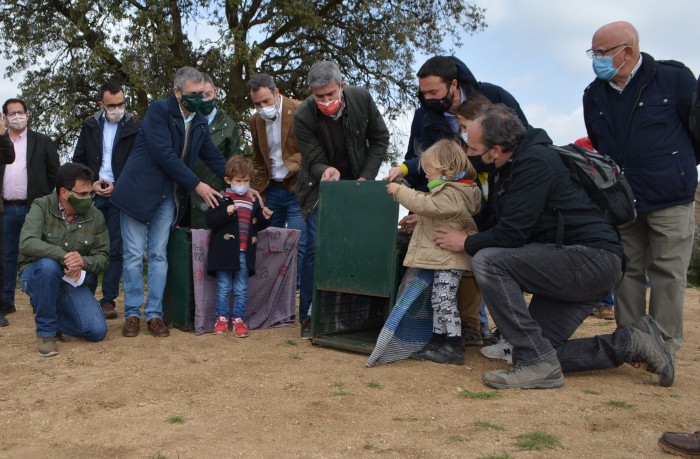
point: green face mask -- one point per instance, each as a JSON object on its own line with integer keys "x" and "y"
{"x": 191, "y": 102}
{"x": 207, "y": 106}
{"x": 81, "y": 206}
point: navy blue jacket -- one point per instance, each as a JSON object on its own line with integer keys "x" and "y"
{"x": 156, "y": 164}
{"x": 656, "y": 153}
{"x": 428, "y": 127}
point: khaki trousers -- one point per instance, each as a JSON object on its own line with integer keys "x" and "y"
{"x": 468, "y": 301}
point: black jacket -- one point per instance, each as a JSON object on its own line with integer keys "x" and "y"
{"x": 522, "y": 196}
{"x": 42, "y": 165}
{"x": 88, "y": 151}
{"x": 224, "y": 243}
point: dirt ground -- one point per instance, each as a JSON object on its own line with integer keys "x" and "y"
{"x": 272, "y": 395}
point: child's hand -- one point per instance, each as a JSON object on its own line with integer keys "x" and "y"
{"x": 231, "y": 209}
{"x": 394, "y": 174}
{"x": 267, "y": 212}
{"x": 392, "y": 188}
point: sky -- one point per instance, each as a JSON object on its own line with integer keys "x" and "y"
{"x": 535, "y": 49}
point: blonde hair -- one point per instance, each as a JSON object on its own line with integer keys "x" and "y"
{"x": 448, "y": 158}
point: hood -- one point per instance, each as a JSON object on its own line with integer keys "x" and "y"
{"x": 464, "y": 75}
{"x": 534, "y": 136}
{"x": 471, "y": 192}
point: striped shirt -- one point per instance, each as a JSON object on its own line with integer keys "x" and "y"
{"x": 244, "y": 209}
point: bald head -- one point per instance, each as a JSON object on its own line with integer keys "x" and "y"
{"x": 619, "y": 32}
{"x": 620, "y": 41}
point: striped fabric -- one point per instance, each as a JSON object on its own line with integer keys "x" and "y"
{"x": 410, "y": 324}
{"x": 244, "y": 209}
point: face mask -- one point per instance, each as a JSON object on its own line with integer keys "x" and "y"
{"x": 464, "y": 136}
{"x": 268, "y": 113}
{"x": 115, "y": 115}
{"x": 438, "y": 106}
{"x": 81, "y": 206}
{"x": 332, "y": 107}
{"x": 240, "y": 189}
{"x": 17, "y": 122}
{"x": 207, "y": 106}
{"x": 480, "y": 165}
{"x": 191, "y": 102}
{"x": 604, "y": 68}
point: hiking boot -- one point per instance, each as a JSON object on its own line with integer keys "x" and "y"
{"x": 648, "y": 346}
{"x": 606, "y": 312}
{"x": 471, "y": 337}
{"x": 306, "y": 328}
{"x": 158, "y": 328}
{"x": 239, "y": 328}
{"x": 680, "y": 444}
{"x": 501, "y": 350}
{"x": 132, "y": 327}
{"x": 3, "y": 321}
{"x": 46, "y": 346}
{"x": 109, "y": 311}
{"x": 221, "y": 325}
{"x": 545, "y": 374}
{"x": 447, "y": 353}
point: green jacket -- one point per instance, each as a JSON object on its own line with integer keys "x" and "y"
{"x": 45, "y": 234}
{"x": 366, "y": 141}
{"x": 224, "y": 133}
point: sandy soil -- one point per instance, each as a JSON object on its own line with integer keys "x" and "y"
{"x": 273, "y": 395}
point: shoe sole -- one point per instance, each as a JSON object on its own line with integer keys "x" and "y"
{"x": 48, "y": 354}
{"x": 111, "y": 315}
{"x": 666, "y": 448}
{"x": 159, "y": 335}
{"x": 553, "y": 384}
{"x": 241, "y": 336}
{"x": 660, "y": 346}
{"x": 219, "y": 332}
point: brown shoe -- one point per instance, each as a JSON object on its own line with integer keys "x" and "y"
{"x": 108, "y": 310}
{"x": 157, "y": 327}
{"x": 606, "y": 312}
{"x": 680, "y": 444}
{"x": 132, "y": 327}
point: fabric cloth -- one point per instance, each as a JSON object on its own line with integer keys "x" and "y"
{"x": 409, "y": 325}
{"x": 271, "y": 291}
{"x": 446, "y": 320}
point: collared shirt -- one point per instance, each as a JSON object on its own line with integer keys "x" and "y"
{"x": 109, "y": 132}
{"x": 211, "y": 116}
{"x": 65, "y": 217}
{"x": 274, "y": 145}
{"x": 634, "y": 70}
{"x": 14, "y": 186}
{"x": 187, "y": 118}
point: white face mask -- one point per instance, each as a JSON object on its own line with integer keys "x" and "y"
{"x": 464, "y": 137}
{"x": 115, "y": 115}
{"x": 17, "y": 122}
{"x": 268, "y": 113}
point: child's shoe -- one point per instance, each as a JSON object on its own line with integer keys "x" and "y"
{"x": 239, "y": 328}
{"x": 221, "y": 325}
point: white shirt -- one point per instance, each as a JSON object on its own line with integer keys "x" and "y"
{"x": 211, "y": 116}
{"x": 109, "y": 132}
{"x": 278, "y": 170}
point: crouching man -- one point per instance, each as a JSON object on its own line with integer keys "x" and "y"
{"x": 63, "y": 240}
{"x": 542, "y": 233}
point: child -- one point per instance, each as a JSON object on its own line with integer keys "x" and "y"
{"x": 451, "y": 202}
{"x": 234, "y": 224}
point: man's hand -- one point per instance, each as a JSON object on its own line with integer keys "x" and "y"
{"x": 395, "y": 173}
{"x": 408, "y": 223}
{"x": 267, "y": 212}
{"x": 330, "y": 175}
{"x": 450, "y": 239}
{"x": 103, "y": 188}
{"x": 208, "y": 194}
{"x": 74, "y": 264}
{"x": 392, "y": 188}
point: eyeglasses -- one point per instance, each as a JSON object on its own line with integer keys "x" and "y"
{"x": 15, "y": 113}
{"x": 82, "y": 195}
{"x": 600, "y": 52}
{"x": 112, "y": 107}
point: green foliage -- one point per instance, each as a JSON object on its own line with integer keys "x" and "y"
{"x": 537, "y": 441}
{"x": 291, "y": 342}
{"x": 591, "y": 392}
{"x": 619, "y": 404}
{"x": 488, "y": 425}
{"x": 66, "y": 50}
{"x": 374, "y": 384}
{"x": 176, "y": 419}
{"x": 480, "y": 394}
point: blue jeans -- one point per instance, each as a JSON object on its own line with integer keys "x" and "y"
{"x": 11, "y": 227}
{"x": 566, "y": 283}
{"x": 224, "y": 282}
{"x": 113, "y": 274}
{"x": 59, "y": 306}
{"x": 135, "y": 235}
{"x": 287, "y": 213}
{"x": 306, "y": 290}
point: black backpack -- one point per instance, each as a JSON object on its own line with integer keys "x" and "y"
{"x": 604, "y": 182}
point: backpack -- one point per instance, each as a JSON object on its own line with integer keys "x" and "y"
{"x": 604, "y": 182}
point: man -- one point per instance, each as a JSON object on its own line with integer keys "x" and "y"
{"x": 445, "y": 83}
{"x": 31, "y": 176}
{"x": 545, "y": 235}
{"x": 276, "y": 156}
{"x": 341, "y": 136}
{"x": 152, "y": 189}
{"x": 7, "y": 156}
{"x": 637, "y": 112}
{"x": 63, "y": 243}
{"x": 224, "y": 133}
{"x": 104, "y": 144}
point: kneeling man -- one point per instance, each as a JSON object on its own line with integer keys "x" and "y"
{"x": 542, "y": 233}
{"x": 63, "y": 240}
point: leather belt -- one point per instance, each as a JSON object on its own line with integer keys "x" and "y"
{"x": 15, "y": 202}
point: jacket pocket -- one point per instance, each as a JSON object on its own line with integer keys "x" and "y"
{"x": 655, "y": 112}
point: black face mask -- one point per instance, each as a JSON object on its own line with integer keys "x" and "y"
{"x": 480, "y": 165}
{"x": 438, "y": 106}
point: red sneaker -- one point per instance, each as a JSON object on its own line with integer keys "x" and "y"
{"x": 221, "y": 325}
{"x": 239, "y": 328}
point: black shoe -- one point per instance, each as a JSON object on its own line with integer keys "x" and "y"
{"x": 648, "y": 346}
{"x": 431, "y": 346}
{"x": 3, "y": 321}
{"x": 7, "y": 308}
{"x": 449, "y": 353}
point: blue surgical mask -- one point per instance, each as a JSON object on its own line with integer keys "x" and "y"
{"x": 240, "y": 189}
{"x": 604, "y": 68}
